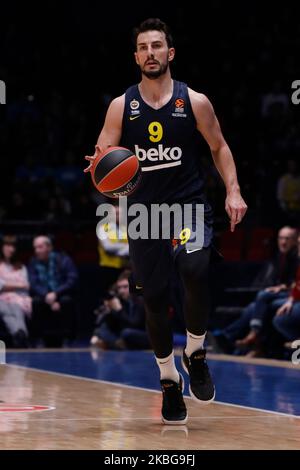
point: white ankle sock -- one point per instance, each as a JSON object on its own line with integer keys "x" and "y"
{"x": 167, "y": 368}
{"x": 193, "y": 343}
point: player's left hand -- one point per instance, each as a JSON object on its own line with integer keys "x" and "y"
{"x": 235, "y": 207}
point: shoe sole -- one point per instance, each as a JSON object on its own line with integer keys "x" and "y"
{"x": 203, "y": 402}
{"x": 174, "y": 423}
{"x": 182, "y": 421}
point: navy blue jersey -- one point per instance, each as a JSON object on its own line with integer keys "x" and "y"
{"x": 167, "y": 143}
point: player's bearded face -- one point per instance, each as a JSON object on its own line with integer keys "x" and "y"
{"x": 153, "y": 54}
{"x": 153, "y": 68}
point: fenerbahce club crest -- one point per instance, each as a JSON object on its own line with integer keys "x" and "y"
{"x": 134, "y": 110}
{"x": 179, "y": 108}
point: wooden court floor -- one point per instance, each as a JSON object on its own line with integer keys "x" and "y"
{"x": 91, "y": 414}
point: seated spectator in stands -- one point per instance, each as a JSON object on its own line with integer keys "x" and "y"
{"x": 121, "y": 319}
{"x": 274, "y": 280}
{"x": 53, "y": 280}
{"x": 15, "y": 303}
{"x": 113, "y": 250}
{"x": 288, "y": 192}
{"x": 287, "y": 318}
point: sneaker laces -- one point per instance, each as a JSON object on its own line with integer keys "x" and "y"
{"x": 200, "y": 368}
{"x": 173, "y": 394}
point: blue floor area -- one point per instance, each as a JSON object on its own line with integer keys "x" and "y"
{"x": 265, "y": 387}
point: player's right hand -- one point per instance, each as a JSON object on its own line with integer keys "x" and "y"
{"x": 92, "y": 158}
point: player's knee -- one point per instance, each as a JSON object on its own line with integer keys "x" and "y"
{"x": 193, "y": 269}
{"x": 152, "y": 303}
{"x": 156, "y": 303}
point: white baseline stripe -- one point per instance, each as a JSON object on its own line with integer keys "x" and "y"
{"x": 286, "y": 415}
{"x": 163, "y": 165}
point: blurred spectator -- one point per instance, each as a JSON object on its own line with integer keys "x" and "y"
{"x": 113, "y": 250}
{"x": 15, "y": 302}
{"x": 274, "y": 281}
{"x": 287, "y": 318}
{"x": 121, "y": 319}
{"x": 53, "y": 279}
{"x": 288, "y": 192}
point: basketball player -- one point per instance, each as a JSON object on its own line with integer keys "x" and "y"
{"x": 159, "y": 120}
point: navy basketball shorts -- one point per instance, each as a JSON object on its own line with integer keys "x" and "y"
{"x": 153, "y": 259}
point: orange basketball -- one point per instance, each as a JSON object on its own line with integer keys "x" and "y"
{"x": 116, "y": 172}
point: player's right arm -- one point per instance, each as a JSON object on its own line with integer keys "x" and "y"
{"x": 110, "y": 134}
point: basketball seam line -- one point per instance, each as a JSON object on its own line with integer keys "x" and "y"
{"x": 105, "y": 158}
{"x": 113, "y": 170}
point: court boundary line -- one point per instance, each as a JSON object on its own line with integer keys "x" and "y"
{"x": 258, "y": 361}
{"x": 281, "y": 363}
{"x": 103, "y": 418}
{"x": 279, "y": 413}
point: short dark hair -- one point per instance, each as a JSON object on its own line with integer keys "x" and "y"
{"x": 124, "y": 275}
{"x": 12, "y": 241}
{"x": 153, "y": 24}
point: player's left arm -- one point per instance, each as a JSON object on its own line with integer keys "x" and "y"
{"x": 208, "y": 125}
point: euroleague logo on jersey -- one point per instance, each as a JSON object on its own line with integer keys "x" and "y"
{"x": 179, "y": 103}
{"x": 179, "y": 108}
